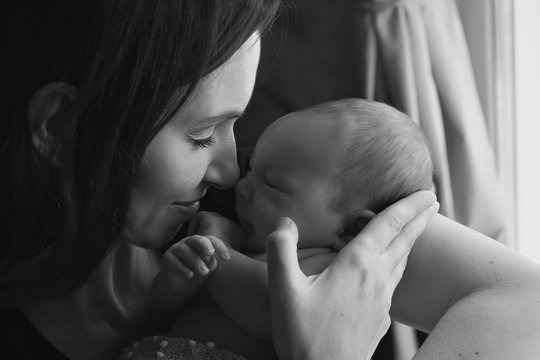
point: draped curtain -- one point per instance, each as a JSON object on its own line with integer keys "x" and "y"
{"x": 411, "y": 54}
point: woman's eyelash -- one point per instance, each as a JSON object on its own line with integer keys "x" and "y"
{"x": 203, "y": 143}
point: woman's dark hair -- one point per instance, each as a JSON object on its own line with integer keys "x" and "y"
{"x": 134, "y": 62}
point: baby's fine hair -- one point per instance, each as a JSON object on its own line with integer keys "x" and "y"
{"x": 385, "y": 156}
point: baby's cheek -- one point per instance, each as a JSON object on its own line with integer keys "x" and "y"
{"x": 266, "y": 214}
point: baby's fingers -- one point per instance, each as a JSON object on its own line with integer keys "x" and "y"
{"x": 201, "y": 245}
{"x": 221, "y": 248}
{"x": 174, "y": 265}
{"x": 189, "y": 258}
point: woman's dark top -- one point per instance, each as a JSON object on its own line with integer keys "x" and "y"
{"x": 20, "y": 340}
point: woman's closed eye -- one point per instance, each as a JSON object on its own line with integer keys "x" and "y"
{"x": 202, "y": 139}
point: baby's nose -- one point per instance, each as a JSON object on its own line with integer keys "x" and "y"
{"x": 243, "y": 187}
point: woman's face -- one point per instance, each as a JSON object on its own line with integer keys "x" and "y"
{"x": 194, "y": 150}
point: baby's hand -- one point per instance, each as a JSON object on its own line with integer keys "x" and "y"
{"x": 195, "y": 255}
{"x": 210, "y": 223}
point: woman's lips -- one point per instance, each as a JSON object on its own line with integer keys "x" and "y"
{"x": 187, "y": 203}
{"x": 187, "y": 208}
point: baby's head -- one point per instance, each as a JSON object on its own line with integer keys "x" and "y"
{"x": 330, "y": 168}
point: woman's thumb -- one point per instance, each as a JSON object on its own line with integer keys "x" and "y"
{"x": 281, "y": 256}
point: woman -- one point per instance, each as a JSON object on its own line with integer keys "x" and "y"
{"x": 121, "y": 117}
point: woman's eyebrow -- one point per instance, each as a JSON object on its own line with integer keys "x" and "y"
{"x": 213, "y": 120}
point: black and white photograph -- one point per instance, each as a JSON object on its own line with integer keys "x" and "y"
{"x": 269, "y": 180}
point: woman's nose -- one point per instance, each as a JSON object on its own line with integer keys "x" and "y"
{"x": 223, "y": 171}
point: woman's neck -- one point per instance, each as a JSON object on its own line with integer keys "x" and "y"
{"x": 107, "y": 312}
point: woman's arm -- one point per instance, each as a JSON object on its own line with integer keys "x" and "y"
{"x": 478, "y": 299}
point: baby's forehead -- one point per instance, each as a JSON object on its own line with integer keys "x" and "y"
{"x": 303, "y": 137}
{"x": 311, "y": 125}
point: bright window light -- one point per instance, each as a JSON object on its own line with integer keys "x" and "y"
{"x": 527, "y": 82}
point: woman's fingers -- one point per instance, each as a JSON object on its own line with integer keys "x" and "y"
{"x": 400, "y": 247}
{"x": 395, "y": 276}
{"x": 285, "y": 288}
{"x": 397, "y": 253}
{"x": 390, "y": 222}
{"x": 283, "y": 268}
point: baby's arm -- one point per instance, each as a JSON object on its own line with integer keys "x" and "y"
{"x": 239, "y": 287}
{"x": 239, "y": 284}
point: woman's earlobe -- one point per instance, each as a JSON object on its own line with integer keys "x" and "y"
{"x": 51, "y": 127}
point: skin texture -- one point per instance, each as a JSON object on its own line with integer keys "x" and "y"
{"x": 291, "y": 175}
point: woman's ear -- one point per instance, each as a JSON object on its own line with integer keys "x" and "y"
{"x": 51, "y": 126}
{"x": 354, "y": 222}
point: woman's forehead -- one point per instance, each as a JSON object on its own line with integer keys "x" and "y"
{"x": 227, "y": 90}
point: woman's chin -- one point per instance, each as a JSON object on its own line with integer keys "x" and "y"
{"x": 152, "y": 229}
{"x": 154, "y": 237}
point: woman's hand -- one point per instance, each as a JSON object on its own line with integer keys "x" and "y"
{"x": 343, "y": 312}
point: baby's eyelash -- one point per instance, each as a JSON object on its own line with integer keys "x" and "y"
{"x": 203, "y": 143}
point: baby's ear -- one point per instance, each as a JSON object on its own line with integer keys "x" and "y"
{"x": 49, "y": 122}
{"x": 354, "y": 222}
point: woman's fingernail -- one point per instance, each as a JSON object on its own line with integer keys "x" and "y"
{"x": 226, "y": 256}
{"x": 435, "y": 207}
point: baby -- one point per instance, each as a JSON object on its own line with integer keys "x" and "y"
{"x": 329, "y": 168}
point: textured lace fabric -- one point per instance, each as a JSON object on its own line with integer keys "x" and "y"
{"x": 173, "y": 348}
